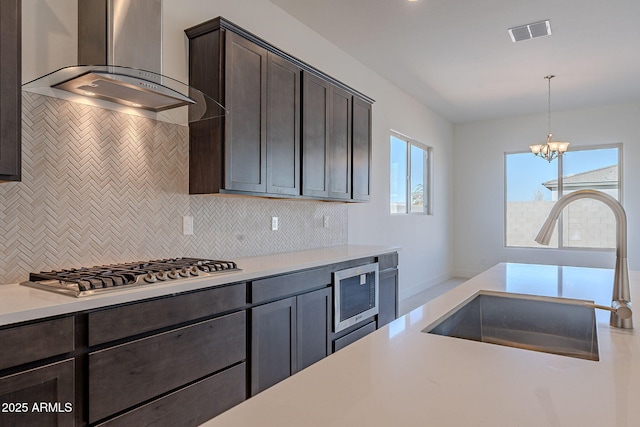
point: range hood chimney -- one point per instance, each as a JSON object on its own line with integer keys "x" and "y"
{"x": 120, "y": 45}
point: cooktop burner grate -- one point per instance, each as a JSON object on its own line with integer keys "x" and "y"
{"x": 89, "y": 281}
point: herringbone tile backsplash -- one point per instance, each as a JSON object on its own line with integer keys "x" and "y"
{"x": 100, "y": 187}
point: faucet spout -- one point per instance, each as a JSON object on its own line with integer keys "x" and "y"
{"x": 621, "y": 293}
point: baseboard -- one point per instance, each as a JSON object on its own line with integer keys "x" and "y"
{"x": 467, "y": 274}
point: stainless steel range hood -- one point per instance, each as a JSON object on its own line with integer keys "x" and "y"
{"x": 121, "y": 43}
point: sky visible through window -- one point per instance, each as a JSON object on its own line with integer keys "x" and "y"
{"x": 398, "y": 170}
{"x": 526, "y": 172}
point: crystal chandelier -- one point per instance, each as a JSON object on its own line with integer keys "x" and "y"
{"x": 551, "y": 149}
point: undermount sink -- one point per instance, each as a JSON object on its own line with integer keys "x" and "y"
{"x": 552, "y": 325}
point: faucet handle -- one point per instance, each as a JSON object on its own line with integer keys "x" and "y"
{"x": 621, "y": 308}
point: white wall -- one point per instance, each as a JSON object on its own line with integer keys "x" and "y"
{"x": 479, "y": 183}
{"x": 427, "y": 250}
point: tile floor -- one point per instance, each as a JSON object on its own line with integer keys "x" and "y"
{"x": 414, "y": 301}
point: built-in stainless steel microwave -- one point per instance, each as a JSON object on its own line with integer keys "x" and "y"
{"x": 355, "y": 295}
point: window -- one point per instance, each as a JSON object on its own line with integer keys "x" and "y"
{"x": 410, "y": 176}
{"x": 533, "y": 186}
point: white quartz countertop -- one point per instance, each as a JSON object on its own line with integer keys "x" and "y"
{"x": 400, "y": 376}
{"x": 21, "y": 303}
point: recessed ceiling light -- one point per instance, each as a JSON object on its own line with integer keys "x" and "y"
{"x": 530, "y": 31}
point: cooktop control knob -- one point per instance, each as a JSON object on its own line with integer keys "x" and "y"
{"x": 161, "y": 275}
{"x": 173, "y": 274}
{"x": 194, "y": 270}
{"x": 150, "y": 277}
{"x": 184, "y": 272}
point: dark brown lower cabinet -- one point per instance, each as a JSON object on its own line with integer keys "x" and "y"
{"x": 313, "y": 326}
{"x": 192, "y": 405}
{"x": 130, "y": 374}
{"x": 273, "y": 343}
{"x": 177, "y": 360}
{"x": 289, "y": 335}
{"x": 36, "y": 341}
{"x": 40, "y": 397}
{"x": 388, "y": 310}
{"x": 354, "y": 336}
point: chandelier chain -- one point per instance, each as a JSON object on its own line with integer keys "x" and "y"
{"x": 549, "y": 77}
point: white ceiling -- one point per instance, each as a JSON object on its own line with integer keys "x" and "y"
{"x": 457, "y": 58}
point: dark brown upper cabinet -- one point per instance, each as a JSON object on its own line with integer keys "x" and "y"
{"x": 288, "y": 129}
{"x": 255, "y": 147}
{"x": 283, "y": 126}
{"x": 326, "y": 140}
{"x": 262, "y": 139}
{"x": 361, "y": 152}
{"x": 10, "y": 90}
{"x": 245, "y": 67}
{"x": 315, "y": 136}
{"x": 339, "y": 144}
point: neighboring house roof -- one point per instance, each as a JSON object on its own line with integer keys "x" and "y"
{"x": 606, "y": 177}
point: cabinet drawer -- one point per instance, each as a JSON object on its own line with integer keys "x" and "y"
{"x": 36, "y": 341}
{"x": 354, "y": 336}
{"x": 121, "y": 322}
{"x": 123, "y": 376}
{"x": 192, "y": 405}
{"x": 289, "y": 284}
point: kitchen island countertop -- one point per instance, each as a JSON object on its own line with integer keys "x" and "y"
{"x": 20, "y": 303}
{"x": 401, "y": 376}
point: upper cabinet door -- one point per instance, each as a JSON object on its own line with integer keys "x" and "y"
{"x": 326, "y": 139}
{"x": 10, "y": 90}
{"x": 315, "y": 136}
{"x": 245, "y": 123}
{"x": 339, "y": 147}
{"x": 361, "y": 163}
{"x": 283, "y": 126}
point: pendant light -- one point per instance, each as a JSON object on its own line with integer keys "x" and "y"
{"x": 550, "y": 150}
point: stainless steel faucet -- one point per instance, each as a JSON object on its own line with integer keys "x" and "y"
{"x": 621, "y": 299}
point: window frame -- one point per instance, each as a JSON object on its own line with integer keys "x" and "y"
{"x": 427, "y": 175}
{"x": 559, "y": 226}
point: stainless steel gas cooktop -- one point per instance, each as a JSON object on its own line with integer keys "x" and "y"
{"x": 84, "y": 281}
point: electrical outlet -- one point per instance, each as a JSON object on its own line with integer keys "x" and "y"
{"x": 187, "y": 225}
{"x": 274, "y": 223}
{"x": 325, "y": 221}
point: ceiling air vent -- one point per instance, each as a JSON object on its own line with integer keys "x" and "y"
{"x": 530, "y": 31}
